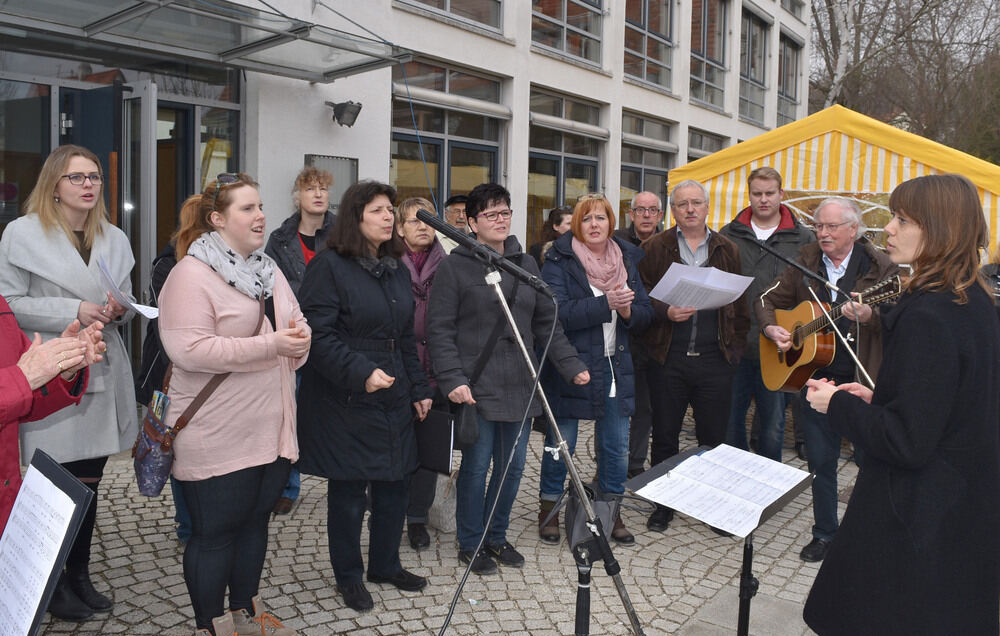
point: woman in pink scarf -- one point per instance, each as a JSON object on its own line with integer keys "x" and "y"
{"x": 601, "y": 300}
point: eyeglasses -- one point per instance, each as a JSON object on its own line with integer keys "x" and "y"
{"x": 222, "y": 180}
{"x": 492, "y": 216}
{"x": 828, "y": 226}
{"x": 693, "y": 203}
{"x": 646, "y": 211}
{"x": 414, "y": 222}
{"x": 77, "y": 178}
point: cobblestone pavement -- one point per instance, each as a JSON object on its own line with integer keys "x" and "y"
{"x": 684, "y": 581}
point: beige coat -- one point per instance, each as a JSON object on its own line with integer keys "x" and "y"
{"x": 44, "y": 280}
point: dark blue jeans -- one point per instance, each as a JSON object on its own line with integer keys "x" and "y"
{"x": 346, "y": 504}
{"x": 495, "y": 444}
{"x": 229, "y": 516}
{"x": 747, "y": 384}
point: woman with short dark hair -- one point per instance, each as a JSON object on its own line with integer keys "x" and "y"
{"x": 918, "y": 549}
{"x": 361, "y": 388}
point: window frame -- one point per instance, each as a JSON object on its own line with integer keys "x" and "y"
{"x": 647, "y": 33}
{"x": 788, "y": 99}
{"x": 703, "y": 59}
{"x": 753, "y": 86}
{"x": 447, "y": 11}
{"x": 564, "y": 26}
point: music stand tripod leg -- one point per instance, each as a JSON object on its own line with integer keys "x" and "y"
{"x": 748, "y": 587}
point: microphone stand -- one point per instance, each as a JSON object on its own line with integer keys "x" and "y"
{"x": 837, "y": 290}
{"x": 493, "y": 260}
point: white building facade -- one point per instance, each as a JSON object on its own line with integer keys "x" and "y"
{"x": 551, "y": 98}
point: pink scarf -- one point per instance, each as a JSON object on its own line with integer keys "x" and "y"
{"x": 606, "y": 273}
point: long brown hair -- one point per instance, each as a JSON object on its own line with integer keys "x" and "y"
{"x": 42, "y": 199}
{"x": 198, "y": 208}
{"x": 950, "y": 215}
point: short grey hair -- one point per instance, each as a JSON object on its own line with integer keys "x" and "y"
{"x": 849, "y": 212}
{"x": 659, "y": 201}
{"x": 688, "y": 183}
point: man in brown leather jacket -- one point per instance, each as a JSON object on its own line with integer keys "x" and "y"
{"x": 693, "y": 354}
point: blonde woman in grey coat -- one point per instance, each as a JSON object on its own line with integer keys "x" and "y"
{"x": 50, "y": 275}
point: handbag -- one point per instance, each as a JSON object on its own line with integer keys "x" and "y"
{"x": 466, "y": 415}
{"x": 153, "y": 453}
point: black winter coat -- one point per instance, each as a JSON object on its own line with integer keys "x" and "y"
{"x": 362, "y": 319}
{"x": 583, "y": 316}
{"x": 460, "y": 317}
{"x": 918, "y": 551}
{"x": 283, "y": 246}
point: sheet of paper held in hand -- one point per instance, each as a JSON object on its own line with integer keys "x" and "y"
{"x": 122, "y": 299}
{"x": 725, "y": 487}
{"x": 699, "y": 287}
{"x": 29, "y": 548}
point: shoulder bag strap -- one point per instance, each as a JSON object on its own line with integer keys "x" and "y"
{"x": 491, "y": 342}
{"x": 204, "y": 394}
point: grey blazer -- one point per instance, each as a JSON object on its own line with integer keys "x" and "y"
{"x": 44, "y": 280}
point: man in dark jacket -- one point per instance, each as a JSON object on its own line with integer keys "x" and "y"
{"x": 766, "y": 221}
{"x": 692, "y": 353}
{"x": 852, "y": 265}
{"x": 646, "y": 212}
{"x": 460, "y": 317}
{"x": 292, "y": 245}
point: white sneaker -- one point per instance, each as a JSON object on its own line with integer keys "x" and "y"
{"x": 261, "y": 624}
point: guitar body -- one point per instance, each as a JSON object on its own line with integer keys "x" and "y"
{"x": 789, "y": 370}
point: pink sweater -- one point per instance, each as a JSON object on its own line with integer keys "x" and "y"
{"x": 205, "y": 327}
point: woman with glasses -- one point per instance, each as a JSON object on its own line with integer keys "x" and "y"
{"x": 361, "y": 389}
{"x": 422, "y": 253}
{"x": 918, "y": 551}
{"x": 50, "y": 273}
{"x": 601, "y": 301}
{"x": 227, "y": 309}
{"x": 477, "y": 361}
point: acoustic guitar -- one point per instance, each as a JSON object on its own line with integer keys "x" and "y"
{"x": 813, "y": 340}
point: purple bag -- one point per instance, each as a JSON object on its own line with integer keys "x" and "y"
{"x": 153, "y": 453}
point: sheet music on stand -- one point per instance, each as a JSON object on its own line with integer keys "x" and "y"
{"x": 725, "y": 487}
{"x": 46, "y": 517}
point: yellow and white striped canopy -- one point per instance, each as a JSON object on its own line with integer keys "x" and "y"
{"x": 836, "y": 152}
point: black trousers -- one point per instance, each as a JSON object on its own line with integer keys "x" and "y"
{"x": 91, "y": 470}
{"x": 229, "y": 515}
{"x": 346, "y": 503}
{"x": 642, "y": 420}
{"x": 705, "y": 382}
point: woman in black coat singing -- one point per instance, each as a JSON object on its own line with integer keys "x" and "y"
{"x": 918, "y": 551}
{"x": 360, "y": 389}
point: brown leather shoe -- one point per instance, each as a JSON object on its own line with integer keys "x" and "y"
{"x": 548, "y": 531}
{"x": 620, "y": 533}
{"x": 283, "y": 506}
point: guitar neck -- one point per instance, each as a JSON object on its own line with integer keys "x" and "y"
{"x": 820, "y": 322}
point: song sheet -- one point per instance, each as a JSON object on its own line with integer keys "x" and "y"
{"x": 29, "y": 548}
{"x": 725, "y": 487}
{"x": 699, "y": 287}
{"x": 122, "y": 299}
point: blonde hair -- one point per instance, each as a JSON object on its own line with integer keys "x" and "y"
{"x": 198, "y": 208}
{"x": 412, "y": 202}
{"x": 308, "y": 176}
{"x": 42, "y": 199}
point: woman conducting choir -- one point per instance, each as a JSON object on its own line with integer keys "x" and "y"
{"x": 918, "y": 551}
{"x": 50, "y": 273}
{"x": 232, "y": 460}
{"x": 601, "y": 299}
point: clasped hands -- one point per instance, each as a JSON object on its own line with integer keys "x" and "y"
{"x": 73, "y": 350}
{"x": 820, "y": 392}
{"x": 89, "y": 312}
{"x": 620, "y": 300}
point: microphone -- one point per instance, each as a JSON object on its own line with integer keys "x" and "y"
{"x": 485, "y": 253}
{"x": 805, "y": 270}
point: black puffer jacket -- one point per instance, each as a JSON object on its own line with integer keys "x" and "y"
{"x": 283, "y": 246}
{"x": 361, "y": 316}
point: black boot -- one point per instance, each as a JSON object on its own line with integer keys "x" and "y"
{"x": 79, "y": 581}
{"x": 65, "y": 604}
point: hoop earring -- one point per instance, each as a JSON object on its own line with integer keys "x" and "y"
{"x": 57, "y": 198}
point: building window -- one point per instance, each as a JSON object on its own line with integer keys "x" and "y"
{"x": 708, "y": 51}
{"x": 648, "y": 32}
{"x": 701, "y": 143}
{"x": 788, "y": 80}
{"x": 794, "y": 7}
{"x": 570, "y": 26}
{"x": 563, "y": 160}
{"x": 483, "y": 11}
{"x": 753, "y": 53}
{"x": 647, "y": 154}
{"x": 460, "y": 148}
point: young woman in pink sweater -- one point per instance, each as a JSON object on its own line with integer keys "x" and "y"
{"x": 233, "y": 458}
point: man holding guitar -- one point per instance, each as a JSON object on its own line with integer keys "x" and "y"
{"x": 850, "y": 264}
